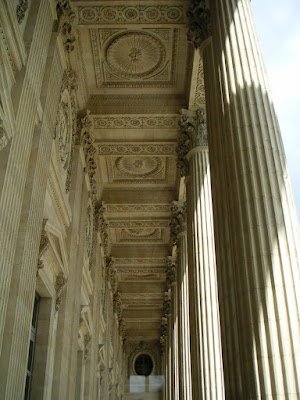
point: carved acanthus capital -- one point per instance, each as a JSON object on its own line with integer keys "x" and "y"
{"x": 111, "y": 273}
{"x": 163, "y": 331}
{"x": 178, "y": 220}
{"x": 102, "y": 225}
{"x": 199, "y": 23}
{"x": 60, "y": 286}
{"x": 66, "y": 16}
{"x": 118, "y": 305}
{"x": 167, "y": 304}
{"x": 193, "y": 134}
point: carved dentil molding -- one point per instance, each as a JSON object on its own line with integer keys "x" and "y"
{"x": 178, "y": 220}
{"x": 193, "y": 134}
{"x": 199, "y": 23}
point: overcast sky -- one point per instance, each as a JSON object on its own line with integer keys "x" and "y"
{"x": 278, "y": 27}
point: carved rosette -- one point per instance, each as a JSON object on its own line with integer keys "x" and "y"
{"x": 60, "y": 286}
{"x": 65, "y": 127}
{"x": 102, "y": 226}
{"x": 178, "y": 220}
{"x": 86, "y": 140}
{"x": 66, "y": 16}
{"x": 193, "y": 134}
{"x": 199, "y": 26}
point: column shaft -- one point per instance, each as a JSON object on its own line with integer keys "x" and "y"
{"x": 206, "y": 356}
{"x": 261, "y": 217}
{"x": 183, "y": 320}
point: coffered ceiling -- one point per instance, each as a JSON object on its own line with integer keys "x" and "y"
{"x": 139, "y": 71}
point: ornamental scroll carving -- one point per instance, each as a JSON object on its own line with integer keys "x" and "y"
{"x": 66, "y": 16}
{"x": 85, "y": 138}
{"x": 60, "y": 286}
{"x": 65, "y": 127}
{"x": 193, "y": 133}
{"x": 178, "y": 220}
{"x": 199, "y": 23}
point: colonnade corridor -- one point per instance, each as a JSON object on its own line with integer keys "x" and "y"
{"x": 149, "y": 244}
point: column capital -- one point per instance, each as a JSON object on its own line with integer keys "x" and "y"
{"x": 193, "y": 134}
{"x": 199, "y": 23}
{"x": 171, "y": 272}
{"x": 178, "y": 220}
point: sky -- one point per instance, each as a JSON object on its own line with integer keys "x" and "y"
{"x": 278, "y": 27}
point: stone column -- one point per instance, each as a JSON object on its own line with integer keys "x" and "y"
{"x": 206, "y": 355}
{"x": 179, "y": 236}
{"x": 262, "y": 223}
{"x": 173, "y": 328}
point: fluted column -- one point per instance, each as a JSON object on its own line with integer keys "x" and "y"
{"x": 206, "y": 356}
{"x": 178, "y": 232}
{"x": 262, "y": 223}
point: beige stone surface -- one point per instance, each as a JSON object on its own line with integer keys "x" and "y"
{"x": 90, "y": 100}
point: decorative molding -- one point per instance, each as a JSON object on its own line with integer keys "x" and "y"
{"x": 137, "y": 104}
{"x": 199, "y": 23}
{"x": 200, "y": 88}
{"x": 134, "y": 58}
{"x": 136, "y": 122}
{"x": 86, "y": 140}
{"x": 140, "y": 261}
{"x": 139, "y": 224}
{"x": 170, "y": 272}
{"x": 139, "y": 296}
{"x": 65, "y": 127}
{"x": 167, "y": 149}
{"x": 141, "y": 271}
{"x": 66, "y": 17}
{"x": 111, "y": 274}
{"x": 102, "y": 226}
{"x": 132, "y": 208}
{"x": 60, "y": 286}
{"x": 89, "y": 234}
{"x": 178, "y": 220}
{"x": 118, "y": 13}
{"x": 21, "y": 10}
{"x": 193, "y": 134}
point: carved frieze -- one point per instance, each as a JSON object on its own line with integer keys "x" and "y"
{"x": 193, "y": 134}
{"x": 166, "y": 149}
{"x": 131, "y": 208}
{"x": 178, "y": 220}
{"x": 139, "y": 224}
{"x": 199, "y": 22}
{"x": 140, "y": 261}
{"x": 137, "y": 122}
{"x": 142, "y": 13}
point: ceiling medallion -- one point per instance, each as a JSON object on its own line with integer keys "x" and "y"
{"x": 136, "y": 166}
{"x": 135, "y": 55}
